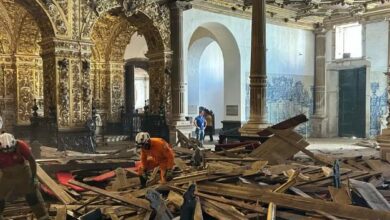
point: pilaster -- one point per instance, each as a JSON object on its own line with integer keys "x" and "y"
{"x": 319, "y": 119}
{"x": 67, "y": 88}
{"x": 159, "y": 75}
{"x": 179, "y": 84}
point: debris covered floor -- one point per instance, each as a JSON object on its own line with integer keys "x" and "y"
{"x": 283, "y": 178}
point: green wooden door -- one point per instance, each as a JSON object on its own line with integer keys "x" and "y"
{"x": 352, "y": 102}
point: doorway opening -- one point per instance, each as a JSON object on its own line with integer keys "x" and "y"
{"x": 352, "y": 102}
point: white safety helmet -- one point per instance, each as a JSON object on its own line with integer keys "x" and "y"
{"x": 7, "y": 142}
{"x": 142, "y": 138}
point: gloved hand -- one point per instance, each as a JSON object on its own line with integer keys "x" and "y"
{"x": 169, "y": 175}
{"x": 143, "y": 179}
{"x": 34, "y": 181}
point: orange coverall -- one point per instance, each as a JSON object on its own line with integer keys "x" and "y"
{"x": 160, "y": 154}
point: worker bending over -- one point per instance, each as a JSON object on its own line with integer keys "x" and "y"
{"x": 155, "y": 152}
{"x": 18, "y": 175}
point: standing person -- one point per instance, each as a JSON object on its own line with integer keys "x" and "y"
{"x": 18, "y": 171}
{"x": 200, "y": 124}
{"x": 155, "y": 152}
{"x": 209, "y": 122}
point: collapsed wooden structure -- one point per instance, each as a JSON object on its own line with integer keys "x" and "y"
{"x": 244, "y": 180}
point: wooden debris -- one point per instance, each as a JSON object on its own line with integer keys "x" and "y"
{"x": 238, "y": 182}
{"x": 141, "y": 203}
{"x": 340, "y": 195}
{"x": 372, "y": 196}
{"x": 277, "y": 150}
{"x": 289, "y": 201}
{"x": 63, "y": 196}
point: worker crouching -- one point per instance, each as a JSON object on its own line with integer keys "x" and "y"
{"x": 155, "y": 152}
{"x": 18, "y": 173}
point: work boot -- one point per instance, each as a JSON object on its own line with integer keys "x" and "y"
{"x": 143, "y": 180}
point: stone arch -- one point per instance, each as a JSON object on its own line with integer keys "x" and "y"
{"x": 201, "y": 38}
{"x": 110, "y": 34}
{"x": 152, "y": 18}
{"x": 25, "y": 23}
{"x": 50, "y": 23}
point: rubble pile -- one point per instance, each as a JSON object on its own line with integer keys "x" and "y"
{"x": 241, "y": 180}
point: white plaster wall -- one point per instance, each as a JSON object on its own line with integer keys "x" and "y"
{"x": 376, "y": 47}
{"x": 241, "y": 30}
{"x": 211, "y": 81}
{"x": 137, "y": 47}
{"x": 141, "y": 87}
{"x": 289, "y": 52}
{"x": 377, "y": 53}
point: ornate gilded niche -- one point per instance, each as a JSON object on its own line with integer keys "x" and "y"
{"x": 21, "y": 66}
{"x": 112, "y": 26}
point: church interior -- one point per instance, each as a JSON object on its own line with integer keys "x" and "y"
{"x": 195, "y": 109}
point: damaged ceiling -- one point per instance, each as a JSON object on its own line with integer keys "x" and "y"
{"x": 300, "y": 12}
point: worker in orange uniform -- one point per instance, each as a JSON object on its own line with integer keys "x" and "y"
{"x": 155, "y": 152}
{"x": 18, "y": 172}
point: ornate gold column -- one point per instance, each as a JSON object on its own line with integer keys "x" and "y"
{"x": 7, "y": 92}
{"x": 258, "y": 75}
{"x": 160, "y": 85}
{"x": 319, "y": 120}
{"x": 28, "y": 69}
{"x": 116, "y": 98}
{"x": 67, "y": 87}
{"x": 179, "y": 84}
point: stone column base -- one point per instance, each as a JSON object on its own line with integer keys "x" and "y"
{"x": 320, "y": 127}
{"x": 184, "y": 126}
{"x": 251, "y": 129}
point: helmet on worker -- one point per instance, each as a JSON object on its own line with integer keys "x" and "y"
{"x": 142, "y": 140}
{"x": 7, "y": 142}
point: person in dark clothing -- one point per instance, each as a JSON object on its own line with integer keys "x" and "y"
{"x": 209, "y": 127}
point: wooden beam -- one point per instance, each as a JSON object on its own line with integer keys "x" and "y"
{"x": 52, "y": 168}
{"x": 271, "y": 213}
{"x": 294, "y": 202}
{"x": 141, "y": 203}
{"x": 244, "y": 205}
{"x": 58, "y": 191}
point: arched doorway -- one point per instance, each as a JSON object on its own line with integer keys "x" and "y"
{"x": 213, "y": 73}
{"x": 117, "y": 38}
{"x": 136, "y": 74}
{"x": 21, "y": 65}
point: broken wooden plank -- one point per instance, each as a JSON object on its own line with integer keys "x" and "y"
{"x": 61, "y": 213}
{"x": 340, "y": 195}
{"x": 247, "y": 206}
{"x": 301, "y": 193}
{"x": 276, "y": 150}
{"x": 300, "y": 145}
{"x": 53, "y": 168}
{"x": 141, "y": 203}
{"x": 198, "y": 215}
{"x": 175, "y": 198}
{"x": 286, "y": 124}
{"x": 221, "y": 211}
{"x": 60, "y": 193}
{"x": 271, "y": 213}
{"x": 294, "y": 202}
{"x": 372, "y": 196}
